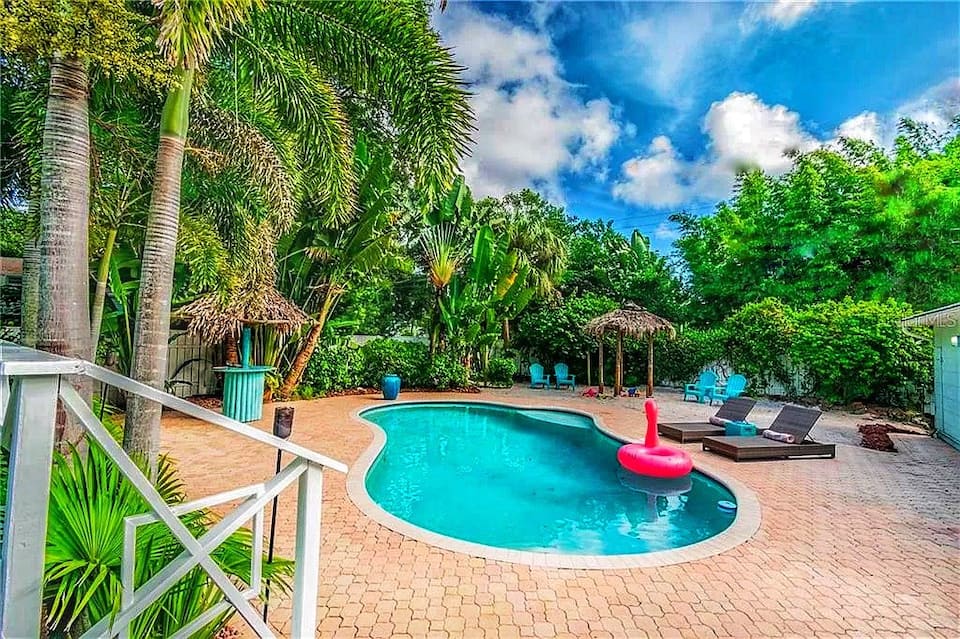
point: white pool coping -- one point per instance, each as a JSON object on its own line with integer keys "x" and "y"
{"x": 744, "y": 527}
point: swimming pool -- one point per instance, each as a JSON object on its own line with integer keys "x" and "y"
{"x": 538, "y": 480}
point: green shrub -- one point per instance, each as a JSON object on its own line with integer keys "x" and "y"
{"x": 500, "y": 371}
{"x": 681, "y": 359}
{"x": 858, "y": 351}
{"x": 446, "y": 372}
{"x": 757, "y": 341}
{"x": 409, "y": 360}
{"x": 554, "y": 333}
{"x": 333, "y": 367}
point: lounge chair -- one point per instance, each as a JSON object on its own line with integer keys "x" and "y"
{"x": 562, "y": 376}
{"x": 537, "y": 378}
{"x": 735, "y": 410}
{"x": 793, "y": 420}
{"x": 734, "y": 387}
{"x": 703, "y": 388}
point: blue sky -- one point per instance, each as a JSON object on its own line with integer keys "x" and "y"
{"x": 631, "y": 110}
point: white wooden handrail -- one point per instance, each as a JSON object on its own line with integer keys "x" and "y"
{"x": 30, "y": 387}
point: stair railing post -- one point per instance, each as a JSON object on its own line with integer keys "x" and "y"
{"x": 307, "y": 569}
{"x": 28, "y": 432}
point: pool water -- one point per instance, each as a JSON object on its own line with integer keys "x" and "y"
{"x": 536, "y": 480}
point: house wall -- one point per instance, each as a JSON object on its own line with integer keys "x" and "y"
{"x": 946, "y": 385}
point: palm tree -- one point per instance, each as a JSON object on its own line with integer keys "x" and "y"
{"x": 302, "y": 57}
{"x": 187, "y": 34}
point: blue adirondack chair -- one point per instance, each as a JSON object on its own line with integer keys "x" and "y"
{"x": 703, "y": 388}
{"x": 563, "y": 377}
{"x": 734, "y": 387}
{"x": 537, "y": 378}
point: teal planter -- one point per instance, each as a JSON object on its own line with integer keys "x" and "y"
{"x": 391, "y": 386}
{"x": 243, "y": 385}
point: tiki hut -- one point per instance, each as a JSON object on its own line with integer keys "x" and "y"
{"x": 217, "y": 317}
{"x": 630, "y": 321}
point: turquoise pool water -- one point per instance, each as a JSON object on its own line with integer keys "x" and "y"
{"x": 536, "y": 480}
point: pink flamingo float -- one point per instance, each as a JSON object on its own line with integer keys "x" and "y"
{"x": 650, "y": 458}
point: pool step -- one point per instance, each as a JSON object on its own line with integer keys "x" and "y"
{"x": 558, "y": 418}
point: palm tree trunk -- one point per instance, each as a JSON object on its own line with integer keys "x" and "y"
{"x": 30, "y": 289}
{"x": 303, "y": 357}
{"x": 141, "y": 432}
{"x": 100, "y": 293}
{"x": 63, "y": 325}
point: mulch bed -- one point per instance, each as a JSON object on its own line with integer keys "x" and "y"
{"x": 877, "y": 436}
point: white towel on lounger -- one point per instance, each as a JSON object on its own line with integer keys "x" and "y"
{"x": 786, "y": 438}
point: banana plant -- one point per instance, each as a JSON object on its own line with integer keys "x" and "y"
{"x": 494, "y": 288}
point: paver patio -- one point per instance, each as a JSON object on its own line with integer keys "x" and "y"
{"x": 864, "y": 545}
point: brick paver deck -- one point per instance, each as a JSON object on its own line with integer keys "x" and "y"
{"x": 864, "y": 545}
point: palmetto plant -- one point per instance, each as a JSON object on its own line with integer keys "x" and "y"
{"x": 89, "y": 500}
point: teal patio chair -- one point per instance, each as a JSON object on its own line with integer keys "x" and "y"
{"x": 537, "y": 378}
{"x": 734, "y": 387}
{"x": 563, "y": 377}
{"x": 703, "y": 388}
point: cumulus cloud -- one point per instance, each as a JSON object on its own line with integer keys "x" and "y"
{"x": 670, "y": 45}
{"x": 936, "y": 107}
{"x": 782, "y": 14}
{"x": 744, "y": 132}
{"x": 532, "y": 124}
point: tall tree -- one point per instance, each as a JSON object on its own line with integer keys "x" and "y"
{"x": 69, "y": 38}
{"x": 187, "y": 34}
{"x": 308, "y": 59}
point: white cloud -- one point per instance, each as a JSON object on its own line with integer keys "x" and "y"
{"x": 782, "y": 14}
{"x": 532, "y": 125}
{"x": 865, "y": 126}
{"x": 665, "y": 232}
{"x": 935, "y": 107}
{"x": 743, "y": 132}
{"x": 657, "y": 179}
{"x": 670, "y": 44}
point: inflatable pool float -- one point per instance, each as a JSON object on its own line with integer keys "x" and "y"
{"x": 650, "y": 458}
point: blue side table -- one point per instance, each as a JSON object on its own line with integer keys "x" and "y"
{"x": 740, "y": 429}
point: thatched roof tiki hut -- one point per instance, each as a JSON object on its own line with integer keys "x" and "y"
{"x": 630, "y": 321}
{"x": 217, "y": 318}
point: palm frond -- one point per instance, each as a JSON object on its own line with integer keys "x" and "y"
{"x": 385, "y": 50}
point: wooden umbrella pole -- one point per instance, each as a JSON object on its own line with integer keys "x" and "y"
{"x": 618, "y": 369}
{"x": 589, "y": 383}
{"x": 650, "y": 365}
{"x": 600, "y": 365}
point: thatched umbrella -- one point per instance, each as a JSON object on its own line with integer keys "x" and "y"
{"x": 217, "y": 317}
{"x": 632, "y": 321}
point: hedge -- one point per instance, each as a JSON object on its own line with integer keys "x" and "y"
{"x": 345, "y": 365}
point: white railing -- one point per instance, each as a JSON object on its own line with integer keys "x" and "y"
{"x": 30, "y": 388}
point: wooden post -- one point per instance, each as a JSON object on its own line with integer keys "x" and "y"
{"x": 589, "y": 382}
{"x": 600, "y": 364}
{"x": 650, "y": 365}
{"x": 618, "y": 366}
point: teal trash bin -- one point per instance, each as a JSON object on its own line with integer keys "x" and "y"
{"x": 243, "y": 385}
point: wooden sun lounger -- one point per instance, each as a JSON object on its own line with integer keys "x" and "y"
{"x": 735, "y": 409}
{"x": 745, "y": 448}
{"x": 794, "y": 420}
